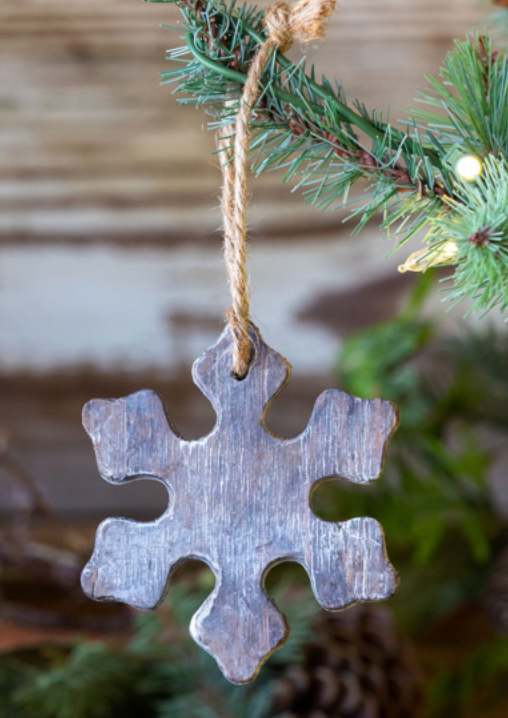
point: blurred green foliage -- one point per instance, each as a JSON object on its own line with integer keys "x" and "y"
{"x": 158, "y": 673}
{"x": 433, "y": 500}
{"x": 477, "y": 688}
{"x": 443, "y": 531}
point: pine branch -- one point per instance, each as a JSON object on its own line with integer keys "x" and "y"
{"x": 93, "y": 682}
{"x": 303, "y": 127}
{"x": 478, "y": 227}
{"x": 473, "y": 91}
{"x": 308, "y": 130}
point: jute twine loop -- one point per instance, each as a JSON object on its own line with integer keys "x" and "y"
{"x": 303, "y": 21}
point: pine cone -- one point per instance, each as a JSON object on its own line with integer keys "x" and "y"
{"x": 357, "y": 666}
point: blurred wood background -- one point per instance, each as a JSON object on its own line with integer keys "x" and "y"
{"x": 93, "y": 150}
{"x": 111, "y": 274}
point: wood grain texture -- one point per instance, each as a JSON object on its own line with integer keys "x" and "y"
{"x": 240, "y": 501}
{"x": 92, "y": 149}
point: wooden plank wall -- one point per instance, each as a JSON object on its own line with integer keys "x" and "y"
{"x": 92, "y": 149}
{"x": 111, "y": 275}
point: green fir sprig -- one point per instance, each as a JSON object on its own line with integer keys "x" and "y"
{"x": 324, "y": 145}
{"x": 478, "y": 228}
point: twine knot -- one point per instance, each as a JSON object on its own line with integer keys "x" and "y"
{"x": 278, "y": 19}
{"x": 284, "y": 23}
{"x": 303, "y": 21}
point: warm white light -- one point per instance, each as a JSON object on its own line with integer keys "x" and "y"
{"x": 469, "y": 167}
{"x": 423, "y": 259}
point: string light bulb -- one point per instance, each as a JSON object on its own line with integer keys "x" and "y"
{"x": 469, "y": 167}
{"x": 425, "y": 258}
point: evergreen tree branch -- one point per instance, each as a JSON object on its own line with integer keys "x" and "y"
{"x": 374, "y": 129}
{"x": 298, "y": 118}
{"x": 309, "y": 130}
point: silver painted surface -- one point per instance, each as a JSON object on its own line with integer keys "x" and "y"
{"x": 240, "y": 501}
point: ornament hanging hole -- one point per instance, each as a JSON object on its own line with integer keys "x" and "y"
{"x": 252, "y": 360}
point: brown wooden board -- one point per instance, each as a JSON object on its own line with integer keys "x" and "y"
{"x": 239, "y": 500}
{"x": 93, "y": 150}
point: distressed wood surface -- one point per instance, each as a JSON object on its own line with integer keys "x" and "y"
{"x": 92, "y": 149}
{"x": 239, "y": 500}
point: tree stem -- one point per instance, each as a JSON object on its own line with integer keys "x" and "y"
{"x": 375, "y": 130}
